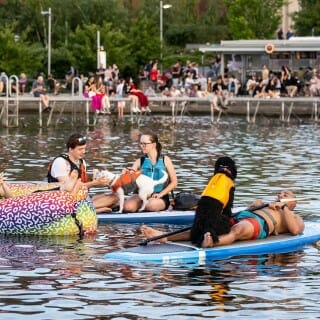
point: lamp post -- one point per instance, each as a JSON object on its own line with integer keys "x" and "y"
{"x": 162, "y": 6}
{"x": 48, "y": 13}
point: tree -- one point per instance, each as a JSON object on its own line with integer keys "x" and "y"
{"x": 18, "y": 55}
{"x": 307, "y": 20}
{"x": 254, "y": 19}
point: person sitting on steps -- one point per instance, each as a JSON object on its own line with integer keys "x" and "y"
{"x": 39, "y": 90}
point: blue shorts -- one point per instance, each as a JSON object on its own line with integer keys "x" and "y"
{"x": 260, "y": 226}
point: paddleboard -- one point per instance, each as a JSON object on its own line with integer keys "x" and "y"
{"x": 185, "y": 252}
{"x": 167, "y": 216}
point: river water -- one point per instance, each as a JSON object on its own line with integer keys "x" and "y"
{"x": 52, "y": 277}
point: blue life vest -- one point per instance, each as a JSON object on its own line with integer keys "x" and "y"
{"x": 154, "y": 171}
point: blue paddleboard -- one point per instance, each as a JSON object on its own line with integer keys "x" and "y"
{"x": 167, "y": 216}
{"x": 184, "y": 252}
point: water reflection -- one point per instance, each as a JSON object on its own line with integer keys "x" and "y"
{"x": 44, "y": 278}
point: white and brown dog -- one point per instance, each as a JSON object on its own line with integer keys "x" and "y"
{"x": 129, "y": 181}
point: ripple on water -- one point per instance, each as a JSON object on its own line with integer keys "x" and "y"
{"x": 48, "y": 278}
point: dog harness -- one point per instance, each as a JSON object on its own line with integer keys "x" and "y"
{"x": 219, "y": 188}
{"x": 126, "y": 181}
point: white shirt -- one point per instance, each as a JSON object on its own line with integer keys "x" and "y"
{"x": 61, "y": 167}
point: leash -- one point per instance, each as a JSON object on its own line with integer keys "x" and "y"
{"x": 168, "y": 234}
{"x": 79, "y": 225}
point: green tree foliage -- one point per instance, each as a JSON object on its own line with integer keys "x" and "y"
{"x": 307, "y": 20}
{"x": 253, "y": 19}
{"x": 129, "y": 32}
{"x": 83, "y": 46}
{"x": 18, "y": 55}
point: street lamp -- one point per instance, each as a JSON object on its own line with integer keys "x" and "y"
{"x": 162, "y": 6}
{"x": 48, "y": 13}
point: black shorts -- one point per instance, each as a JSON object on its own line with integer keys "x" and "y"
{"x": 166, "y": 201}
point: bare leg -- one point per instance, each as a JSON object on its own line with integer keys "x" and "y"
{"x": 4, "y": 188}
{"x": 149, "y": 232}
{"x": 106, "y": 104}
{"x": 104, "y": 202}
{"x": 45, "y": 100}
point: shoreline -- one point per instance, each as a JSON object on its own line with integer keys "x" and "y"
{"x": 251, "y": 108}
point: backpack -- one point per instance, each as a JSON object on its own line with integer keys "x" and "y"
{"x": 185, "y": 201}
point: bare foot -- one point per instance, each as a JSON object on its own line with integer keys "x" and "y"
{"x": 207, "y": 241}
{"x": 150, "y": 233}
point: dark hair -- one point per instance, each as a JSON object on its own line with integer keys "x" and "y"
{"x": 223, "y": 163}
{"x": 154, "y": 139}
{"x": 75, "y": 140}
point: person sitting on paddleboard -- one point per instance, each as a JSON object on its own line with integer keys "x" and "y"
{"x": 152, "y": 163}
{"x": 276, "y": 218}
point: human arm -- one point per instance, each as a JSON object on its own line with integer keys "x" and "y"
{"x": 99, "y": 182}
{"x": 256, "y": 203}
{"x": 292, "y": 221}
{"x": 289, "y": 221}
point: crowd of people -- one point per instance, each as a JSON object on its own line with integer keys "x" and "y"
{"x": 304, "y": 82}
{"x": 178, "y": 81}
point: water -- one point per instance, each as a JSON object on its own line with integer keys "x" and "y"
{"x": 52, "y": 277}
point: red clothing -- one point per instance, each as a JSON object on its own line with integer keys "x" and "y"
{"x": 143, "y": 99}
{"x": 153, "y": 74}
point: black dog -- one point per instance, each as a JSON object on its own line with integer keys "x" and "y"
{"x": 214, "y": 208}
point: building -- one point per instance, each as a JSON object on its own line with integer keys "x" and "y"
{"x": 246, "y": 57}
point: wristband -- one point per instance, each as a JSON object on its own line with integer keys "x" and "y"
{"x": 285, "y": 205}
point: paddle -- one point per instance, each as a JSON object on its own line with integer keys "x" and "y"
{"x": 168, "y": 234}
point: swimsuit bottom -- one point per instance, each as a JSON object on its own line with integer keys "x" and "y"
{"x": 260, "y": 226}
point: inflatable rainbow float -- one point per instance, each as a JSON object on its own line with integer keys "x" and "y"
{"x": 49, "y": 212}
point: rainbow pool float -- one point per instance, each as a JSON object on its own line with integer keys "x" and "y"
{"x": 49, "y": 212}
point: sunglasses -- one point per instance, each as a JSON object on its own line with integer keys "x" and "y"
{"x": 82, "y": 140}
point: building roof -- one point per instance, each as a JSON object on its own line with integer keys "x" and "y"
{"x": 302, "y": 44}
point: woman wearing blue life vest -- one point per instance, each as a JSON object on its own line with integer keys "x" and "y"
{"x": 152, "y": 163}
